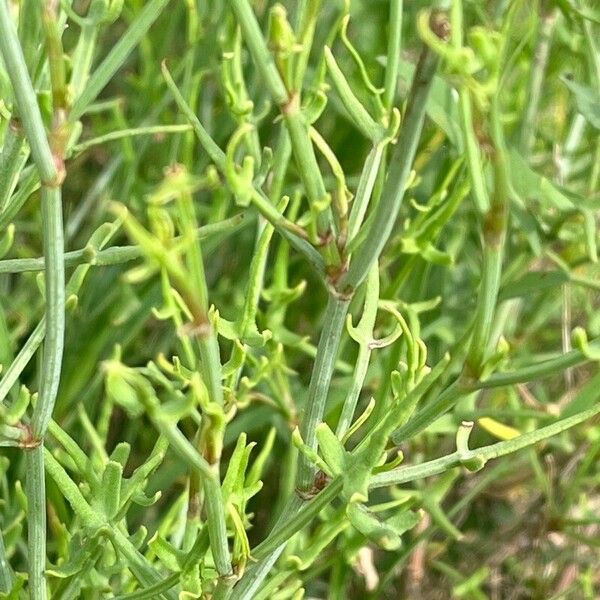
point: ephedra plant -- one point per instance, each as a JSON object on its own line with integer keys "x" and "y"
{"x": 286, "y": 289}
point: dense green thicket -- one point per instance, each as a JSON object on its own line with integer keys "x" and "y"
{"x": 295, "y": 299}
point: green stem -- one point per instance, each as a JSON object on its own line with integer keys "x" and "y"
{"x": 334, "y": 319}
{"x": 117, "y": 255}
{"x": 486, "y": 303}
{"x": 26, "y": 99}
{"x": 358, "y": 113}
{"x": 536, "y": 79}
{"x": 364, "y": 190}
{"x": 12, "y": 161}
{"x": 51, "y": 177}
{"x": 55, "y": 309}
{"x": 83, "y": 57}
{"x": 395, "y": 184}
{"x": 306, "y": 20}
{"x": 7, "y": 576}
{"x": 393, "y": 54}
{"x": 440, "y": 465}
{"x": 430, "y": 413}
{"x": 12, "y": 373}
{"x": 212, "y": 490}
{"x": 545, "y": 368}
{"x": 365, "y": 330}
{"x": 474, "y": 162}
{"x": 289, "y": 104}
{"x": 127, "y": 133}
{"x": 36, "y": 522}
{"x": 117, "y": 56}
{"x": 30, "y": 31}
{"x": 494, "y": 236}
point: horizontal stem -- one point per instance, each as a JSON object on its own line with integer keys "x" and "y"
{"x": 127, "y": 133}
{"x": 545, "y": 368}
{"x": 440, "y": 465}
{"x": 116, "y": 254}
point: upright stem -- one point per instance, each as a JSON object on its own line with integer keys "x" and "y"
{"x": 472, "y": 150}
{"x": 36, "y": 523}
{"x": 395, "y": 184}
{"x": 335, "y": 317}
{"x": 494, "y": 235}
{"x": 536, "y": 79}
{"x": 12, "y": 160}
{"x": 393, "y": 53}
{"x": 50, "y": 171}
{"x": 288, "y": 102}
{"x": 55, "y": 308}
{"x": 7, "y": 577}
{"x": 115, "y": 58}
{"x": 294, "y": 517}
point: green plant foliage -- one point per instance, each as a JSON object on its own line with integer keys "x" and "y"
{"x": 299, "y": 299}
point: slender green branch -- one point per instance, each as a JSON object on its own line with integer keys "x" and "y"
{"x": 545, "y": 368}
{"x": 471, "y": 144}
{"x": 29, "y": 112}
{"x": 55, "y": 309}
{"x": 364, "y": 190}
{"x": 36, "y": 524}
{"x": 536, "y": 78}
{"x": 440, "y": 465}
{"x": 210, "y": 478}
{"x": 363, "y": 334}
{"x": 395, "y": 184}
{"x": 260, "y": 53}
{"x": 51, "y": 177}
{"x": 306, "y": 21}
{"x": 359, "y": 114}
{"x": 13, "y": 159}
{"x": 394, "y": 48}
{"x": 117, "y": 56}
{"x": 116, "y": 255}
{"x": 211, "y": 370}
{"x": 289, "y": 104}
{"x": 334, "y": 319}
{"x": 290, "y": 231}
{"x": 29, "y": 348}
{"x": 127, "y": 133}
{"x": 7, "y": 576}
